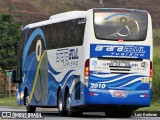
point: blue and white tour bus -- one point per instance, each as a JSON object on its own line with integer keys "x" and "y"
{"x": 94, "y": 60}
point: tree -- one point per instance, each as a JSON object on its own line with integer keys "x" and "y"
{"x": 9, "y": 37}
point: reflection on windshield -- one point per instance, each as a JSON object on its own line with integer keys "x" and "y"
{"x": 126, "y": 26}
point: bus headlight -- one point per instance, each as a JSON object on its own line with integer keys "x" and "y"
{"x": 22, "y": 95}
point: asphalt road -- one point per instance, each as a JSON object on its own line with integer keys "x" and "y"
{"x": 52, "y": 114}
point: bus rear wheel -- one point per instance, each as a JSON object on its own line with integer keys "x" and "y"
{"x": 61, "y": 109}
{"x": 70, "y": 110}
{"x": 29, "y": 108}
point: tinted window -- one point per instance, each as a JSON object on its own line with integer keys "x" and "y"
{"x": 122, "y": 24}
{"x": 60, "y": 35}
{"x": 65, "y": 34}
{"x": 80, "y": 27}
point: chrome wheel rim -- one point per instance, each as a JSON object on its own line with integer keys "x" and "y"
{"x": 60, "y": 102}
{"x": 68, "y": 101}
{"x": 27, "y": 101}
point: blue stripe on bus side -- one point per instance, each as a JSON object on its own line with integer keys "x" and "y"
{"x": 106, "y": 78}
{"x": 36, "y": 32}
{"x": 52, "y": 70}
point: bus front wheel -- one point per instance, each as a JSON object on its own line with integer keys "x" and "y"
{"x": 29, "y": 108}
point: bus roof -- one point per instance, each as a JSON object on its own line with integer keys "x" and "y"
{"x": 67, "y": 16}
{"x": 58, "y": 18}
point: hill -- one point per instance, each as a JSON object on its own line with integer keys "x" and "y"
{"x": 29, "y": 11}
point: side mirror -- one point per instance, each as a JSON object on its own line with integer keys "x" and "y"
{"x": 16, "y": 76}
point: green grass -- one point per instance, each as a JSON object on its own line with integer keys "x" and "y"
{"x": 11, "y": 102}
{"x": 155, "y": 106}
{"x": 8, "y": 101}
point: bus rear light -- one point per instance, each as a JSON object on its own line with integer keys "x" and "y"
{"x": 146, "y": 95}
{"x": 86, "y": 77}
{"x": 151, "y": 72}
{"x": 86, "y": 81}
{"x": 87, "y": 68}
{"x": 91, "y": 93}
{"x": 86, "y": 72}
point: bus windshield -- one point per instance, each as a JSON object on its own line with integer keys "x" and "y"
{"x": 120, "y": 24}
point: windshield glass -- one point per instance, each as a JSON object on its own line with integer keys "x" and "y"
{"x": 120, "y": 24}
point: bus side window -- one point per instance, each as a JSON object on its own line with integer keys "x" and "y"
{"x": 66, "y": 34}
{"x": 80, "y": 27}
{"x": 46, "y": 30}
{"x": 53, "y": 37}
{"x": 56, "y": 37}
{"x": 72, "y": 33}
{"x": 62, "y": 37}
{"x": 52, "y": 43}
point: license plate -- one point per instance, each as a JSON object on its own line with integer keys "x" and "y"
{"x": 119, "y": 94}
{"x": 120, "y": 63}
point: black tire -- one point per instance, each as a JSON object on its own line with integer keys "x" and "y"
{"x": 119, "y": 114}
{"x": 61, "y": 107}
{"x": 72, "y": 112}
{"x": 29, "y": 108}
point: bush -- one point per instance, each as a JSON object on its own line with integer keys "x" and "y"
{"x": 156, "y": 73}
{"x": 2, "y": 95}
{"x": 156, "y": 34}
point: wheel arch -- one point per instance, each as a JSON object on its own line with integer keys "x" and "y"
{"x": 25, "y": 94}
{"x": 59, "y": 88}
{"x": 66, "y": 91}
{"x": 64, "y": 94}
